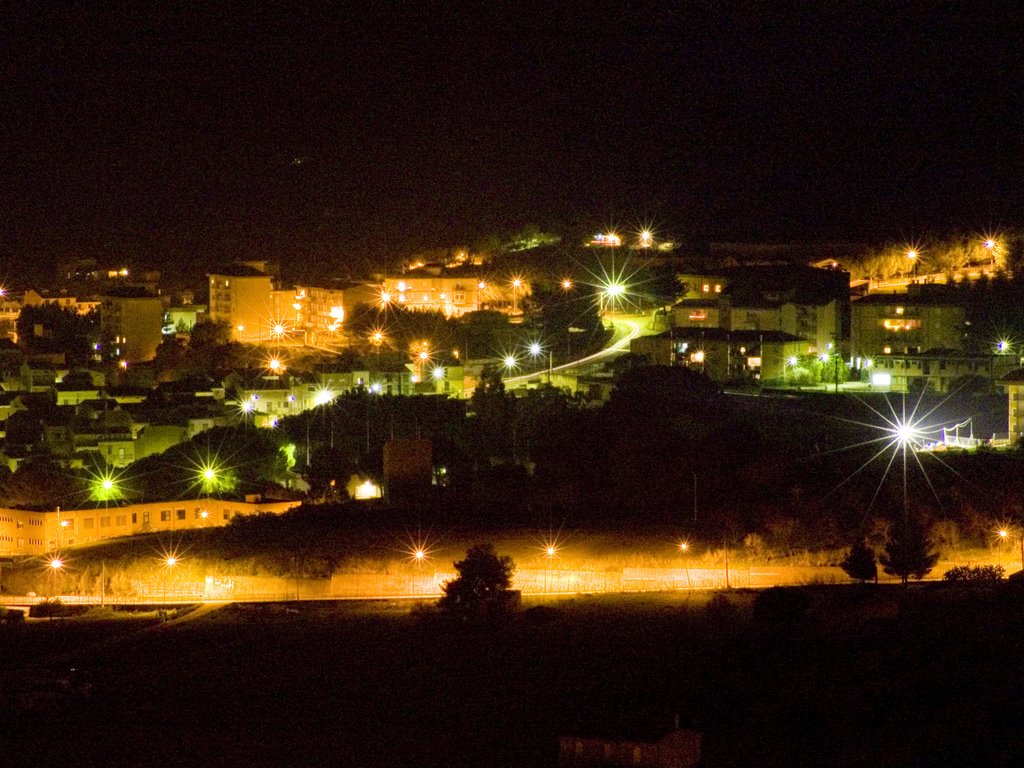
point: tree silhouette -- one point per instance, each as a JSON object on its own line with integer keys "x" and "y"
{"x": 908, "y": 551}
{"x": 860, "y": 563}
{"x": 482, "y": 588}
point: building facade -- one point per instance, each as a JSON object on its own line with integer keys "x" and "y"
{"x": 131, "y": 327}
{"x": 906, "y": 324}
{"x": 241, "y": 297}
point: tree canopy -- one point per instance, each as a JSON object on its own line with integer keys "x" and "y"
{"x": 482, "y": 590}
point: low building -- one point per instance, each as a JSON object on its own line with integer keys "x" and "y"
{"x": 25, "y": 532}
{"x": 678, "y": 748}
{"x": 940, "y": 370}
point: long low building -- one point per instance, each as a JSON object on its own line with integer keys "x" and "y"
{"x": 34, "y": 533}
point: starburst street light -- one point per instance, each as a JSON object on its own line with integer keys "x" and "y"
{"x": 55, "y": 564}
{"x": 535, "y": 349}
{"x": 1004, "y": 346}
{"x": 510, "y": 362}
{"x": 104, "y": 487}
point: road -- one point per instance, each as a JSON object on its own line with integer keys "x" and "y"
{"x": 626, "y": 329}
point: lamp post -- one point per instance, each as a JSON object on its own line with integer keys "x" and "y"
{"x": 56, "y": 564}
{"x": 683, "y": 549}
{"x": 170, "y": 561}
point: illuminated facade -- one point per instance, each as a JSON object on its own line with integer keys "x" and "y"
{"x": 131, "y": 326}
{"x": 324, "y": 309}
{"x": 725, "y": 356}
{"x": 940, "y": 371}
{"x": 241, "y": 297}
{"x": 1013, "y": 383}
{"x": 35, "y": 533}
{"x": 902, "y": 324}
{"x": 455, "y": 294}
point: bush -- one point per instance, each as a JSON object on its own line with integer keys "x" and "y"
{"x": 8, "y": 616}
{"x": 975, "y": 575}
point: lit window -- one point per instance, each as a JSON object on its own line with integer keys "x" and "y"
{"x": 899, "y": 310}
{"x": 718, "y": 289}
{"x": 706, "y": 288}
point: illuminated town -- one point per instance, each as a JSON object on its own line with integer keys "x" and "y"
{"x": 374, "y": 391}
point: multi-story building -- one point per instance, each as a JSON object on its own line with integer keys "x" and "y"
{"x": 805, "y": 302}
{"x": 131, "y": 325}
{"x": 455, "y": 292}
{"x": 324, "y": 309}
{"x": 725, "y": 356}
{"x": 242, "y": 297}
{"x": 923, "y": 319}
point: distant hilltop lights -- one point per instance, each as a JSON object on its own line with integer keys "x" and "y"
{"x": 610, "y": 240}
{"x": 644, "y": 240}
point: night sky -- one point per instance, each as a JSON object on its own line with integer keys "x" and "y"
{"x": 326, "y": 137}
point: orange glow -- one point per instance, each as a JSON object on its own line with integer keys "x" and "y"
{"x": 567, "y": 284}
{"x": 56, "y": 564}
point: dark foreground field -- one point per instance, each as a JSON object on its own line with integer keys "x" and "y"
{"x": 861, "y": 677}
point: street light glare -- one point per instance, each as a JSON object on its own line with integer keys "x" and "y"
{"x": 171, "y": 561}
{"x": 56, "y": 564}
{"x": 510, "y": 361}
{"x": 535, "y": 348}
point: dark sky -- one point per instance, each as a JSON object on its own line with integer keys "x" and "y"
{"x": 313, "y": 136}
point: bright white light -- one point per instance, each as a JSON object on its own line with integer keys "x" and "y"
{"x": 323, "y": 397}
{"x": 791, "y": 361}
{"x": 510, "y": 361}
{"x": 905, "y": 433}
{"x": 881, "y": 379}
{"x": 437, "y": 373}
{"x": 535, "y": 348}
{"x": 56, "y": 564}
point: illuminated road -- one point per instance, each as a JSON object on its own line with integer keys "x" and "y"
{"x": 625, "y": 331}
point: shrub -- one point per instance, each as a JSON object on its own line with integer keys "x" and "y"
{"x": 978, "y": 575}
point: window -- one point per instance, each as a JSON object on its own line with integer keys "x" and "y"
{"x": 706, "y": 288}
{"x": 181, "y": 514}
{"x": 88, "y": 523}
{"x": 123, "y": 519}
{"x": 165, "y": 515}
{"x": 104, "y": 522}
{"x": 135, "y": 517}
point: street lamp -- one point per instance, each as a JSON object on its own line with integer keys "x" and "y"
{"x": 517, "y": 283}
{"x": 912, "y": 254}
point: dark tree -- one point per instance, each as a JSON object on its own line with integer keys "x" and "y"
{"x": 860, "y": 563}
{"x": 908, "y": 551}
{"x": 482, "y": 590}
